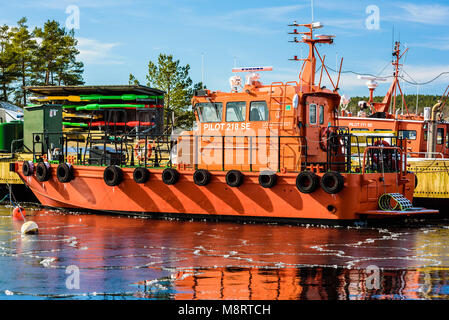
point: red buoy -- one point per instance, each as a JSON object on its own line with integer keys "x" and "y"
{"x": 18, "y": 214}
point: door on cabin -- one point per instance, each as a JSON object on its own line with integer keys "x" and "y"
{"x": 312, "y": 132}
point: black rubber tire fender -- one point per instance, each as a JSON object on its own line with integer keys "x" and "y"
{"x": 307, "y": 182}
{"x": 43, "y": 171}
{"x": 141, "y": 175}
{"x": 170, "y": 176}
{"x": 27, "y": 168}
{"x": 267, "y": 179}
{"x": 332, "y": 182}
{"x": 113, "y": 175}
{"x": 201, "y": 177}
{"x": 64, "y": 172}
{"x": 234, "y": 178}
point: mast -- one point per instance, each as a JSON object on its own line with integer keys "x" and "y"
{"x": 392, "y": 92}
{"x": 308, "y": 70}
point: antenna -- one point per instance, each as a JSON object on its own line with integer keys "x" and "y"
{"x": 252, "y": 69}
{"x": 202, "y": 70}
{"x": 392, "y": 40}
{"x": 251, "y": 78}
{"x": 336, "y": 60}
{"x": 311, "y": 5}
{"x": 371, "y": 84}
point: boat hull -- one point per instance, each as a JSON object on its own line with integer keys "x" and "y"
{"x": 249, "y": 201}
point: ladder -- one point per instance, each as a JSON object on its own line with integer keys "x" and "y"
{"x": 281, "y": 101}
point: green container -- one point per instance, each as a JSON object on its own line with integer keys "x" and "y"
{"x": 39, "y": 119}
{"x": 10, "y": 131}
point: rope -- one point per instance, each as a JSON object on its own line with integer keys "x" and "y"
{"x": 383, "y": 169}
{"x": 7, "y": 195}
{"x": 14, "y": 202}
{"x": 400, "y": 202}
{"x": 401, "y": 77}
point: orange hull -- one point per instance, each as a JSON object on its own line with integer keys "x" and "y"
{"x": 88, "y": 191}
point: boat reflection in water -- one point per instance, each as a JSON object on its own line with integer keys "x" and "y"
{"x": 304, "y": 283}
{"x": 129, "y": 258}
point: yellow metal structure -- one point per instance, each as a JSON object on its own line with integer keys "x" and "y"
{"x": 433, "y": 178}
{"x": 7, "y": 177}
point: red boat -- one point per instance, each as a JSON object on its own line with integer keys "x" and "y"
{"x": 258, "y": 153}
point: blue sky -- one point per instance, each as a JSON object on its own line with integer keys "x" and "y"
{"x": 118, "y": 37}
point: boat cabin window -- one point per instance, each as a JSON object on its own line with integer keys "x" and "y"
{"x": 210, "y": 112}
{"x": 258, "y": 111}
{"x": 236, "y": 111}
{"x": 359, "y": 129}
{"x": 407, "y": 134}
{"x": 321, "y": 114}
{"x": 312, "y": 113}
{"x": 440, "y": 135}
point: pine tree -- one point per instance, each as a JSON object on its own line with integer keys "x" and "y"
{"x": 168, "y": 75}
{"x": 24, "y": 47}
{"x": 133, "y": 80}
{"x": 8, "y": 66}
{"x": 57, "y": 56}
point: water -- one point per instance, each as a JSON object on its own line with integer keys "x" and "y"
{"x": 138, "y": 258}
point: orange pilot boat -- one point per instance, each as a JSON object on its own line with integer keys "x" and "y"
{"x": 258, "y": 152}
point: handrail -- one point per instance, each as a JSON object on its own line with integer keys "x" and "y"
{"x": 383, "y": 148}
{"x": 120, "y": 149}
{"x": 427, "y": 153}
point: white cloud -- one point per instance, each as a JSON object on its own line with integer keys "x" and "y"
{"x": 432, "y": 14}
{"x": 95, "y": 52}
{"x": 439, "y": 43}
{"x": 62, "y": 4}
{"x": 253, "y": 20}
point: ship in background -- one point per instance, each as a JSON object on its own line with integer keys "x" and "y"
{"x": 427, "y": 134}
{"x": 256, "y": 154}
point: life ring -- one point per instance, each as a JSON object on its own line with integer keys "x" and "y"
{"x": 382, "y": 143}
{"x": 332, "y": 182}
{"x": 387, "y": 158}
{"x": 43, "y": 171}
{"x": 307, "y": 181}
{"x": 113, "y": 175}
{"x": 334, "y": 141}
{"x": 139, "y": 150}
{"x": 201, "y": 177}
{"x": 323, "y": 138}
{"x": 64, "y": 172}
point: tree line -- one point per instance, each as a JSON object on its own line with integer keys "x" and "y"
{"x": 43, "y": 56}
